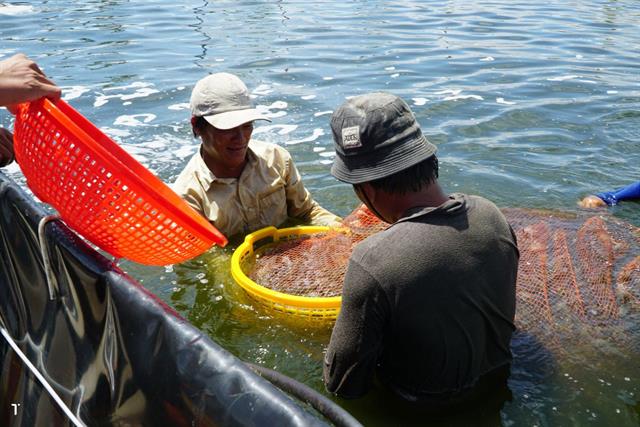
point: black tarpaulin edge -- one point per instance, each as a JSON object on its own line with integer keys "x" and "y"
{"x": 112, "y": 351}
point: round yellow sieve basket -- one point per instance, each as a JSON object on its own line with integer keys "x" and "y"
{"x": 303, "y": 306}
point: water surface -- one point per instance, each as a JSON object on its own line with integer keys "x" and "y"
{"x": 530, "y": 105}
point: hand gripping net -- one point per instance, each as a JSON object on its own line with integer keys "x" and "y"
{"x": 578, "y": 278}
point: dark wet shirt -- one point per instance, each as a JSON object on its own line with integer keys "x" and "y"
{"x": 428, "y": 303}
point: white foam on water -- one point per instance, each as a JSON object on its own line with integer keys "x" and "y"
{"x": 73, "y": 92}
{"x": 326, "y": 162}
{"x": 457, "y": 97}
{"x": 265, "y": 110}
{"x": 318, "y": 149}
{"x": 612, "y": 92}
{"x": 101, "y": 100}
{"x": 177, "y": 107}
{"x": 322, "y": 113}
{"x": 502, "y": 101}
{"x": 142, "y": 90}
{"x": 133, "y": 85}
{"x": 180, "y": 88}
{"x": 488, "y": 59}
{"x": 579, "y": 56}
{"x": 263, "y": 90}
{"x": 142, "y": 160}
{"x": 127, "y": 103}
{"x": 278, "y": 104}
{"x": 14, "y": 9}
{"x": 133, "y": 120}
{"x": 136, "y": 150}
{"x": 115, "y": 133}
{"x": 563, "y": 78}
{"x": 157, "y": 142}
{"x": 219, "y": 59}
{"x": 284, "y": 129}
{"x": 316, "y": 134}
{"x": 591, "y": 82}
{"x": 327, "y": 78}
{"x": 5, "y": 52}
{"x": 393, "y": 76}
{"x": 140, "y": 93}
{"x": 389, "y": 68}
{"x": 11, "y": 168}
{"x": 419, "y": 101}
{"x": 275, "y": 115}
{"x": 165, "y": 148}
{"x": 453, "y": 92}
{"x": 307, "y": 97}
{"x": 184, "y": 152}
{"x": 328, "y": 154}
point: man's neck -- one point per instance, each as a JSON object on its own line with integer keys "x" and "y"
{"x": 399, "y": 204}
{"x": 222, "y": 170}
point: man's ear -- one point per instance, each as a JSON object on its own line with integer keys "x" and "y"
{"x": 194, "y": 120}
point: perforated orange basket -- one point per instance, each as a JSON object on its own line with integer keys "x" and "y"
{"x": 102, "y": 192}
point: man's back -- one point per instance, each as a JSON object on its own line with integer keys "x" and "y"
{"x": 429, "y": 302}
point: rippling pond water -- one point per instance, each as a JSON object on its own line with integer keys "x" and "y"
{"x": 531, "y": 104}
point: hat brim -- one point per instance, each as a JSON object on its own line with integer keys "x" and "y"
{"x": 232, "y": 119}
{"x": 380, "y": 165}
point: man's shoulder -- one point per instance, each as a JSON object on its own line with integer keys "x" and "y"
{"x": 479, "y": 199}
{"x": 268, "y": 150}
{"x": 482, "y": 204}
{"x": 373, "y": 246}
{"x": 187, "y": 177}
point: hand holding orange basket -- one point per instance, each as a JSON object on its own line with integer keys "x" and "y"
{"x": 102, "y": 192}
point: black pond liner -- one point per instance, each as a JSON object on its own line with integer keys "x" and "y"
{"x": 111, "y": 351}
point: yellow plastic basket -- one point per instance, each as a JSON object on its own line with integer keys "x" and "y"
{"x": 309, "y": 307}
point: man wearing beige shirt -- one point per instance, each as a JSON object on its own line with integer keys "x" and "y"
{"x": 240, "y": 184}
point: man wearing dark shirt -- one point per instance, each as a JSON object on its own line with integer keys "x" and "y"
{"x": 428, "y": 304}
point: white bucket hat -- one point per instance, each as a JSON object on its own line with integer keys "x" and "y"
{"x": 223, "y": 100}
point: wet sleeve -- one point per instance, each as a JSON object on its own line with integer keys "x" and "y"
{"x": 356, "y": 340}
{"x": 612, "y": 198}
{"x": 300, "y": 204}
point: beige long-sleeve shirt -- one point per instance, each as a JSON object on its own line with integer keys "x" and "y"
{"x": 268, "y": 192}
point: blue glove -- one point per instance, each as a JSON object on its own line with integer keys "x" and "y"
{"x": 612, "y": 198}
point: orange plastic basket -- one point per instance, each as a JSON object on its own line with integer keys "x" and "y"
{"x": 102, "y": 192}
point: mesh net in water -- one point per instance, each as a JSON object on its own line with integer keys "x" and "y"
{"x": 312, "y": 265}
{"x": 578, "y": 277}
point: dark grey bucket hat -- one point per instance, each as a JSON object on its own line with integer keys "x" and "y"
{"x": 376, "y": 135}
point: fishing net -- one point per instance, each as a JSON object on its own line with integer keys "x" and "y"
{"x": 312, "y": 265}
{"x": 578, "y": 277}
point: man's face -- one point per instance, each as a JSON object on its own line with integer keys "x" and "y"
{"x": 229, "y": 147}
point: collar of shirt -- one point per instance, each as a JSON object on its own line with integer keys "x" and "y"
{"x": 456, "y": 202}
{"x": 204, "y": 175}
